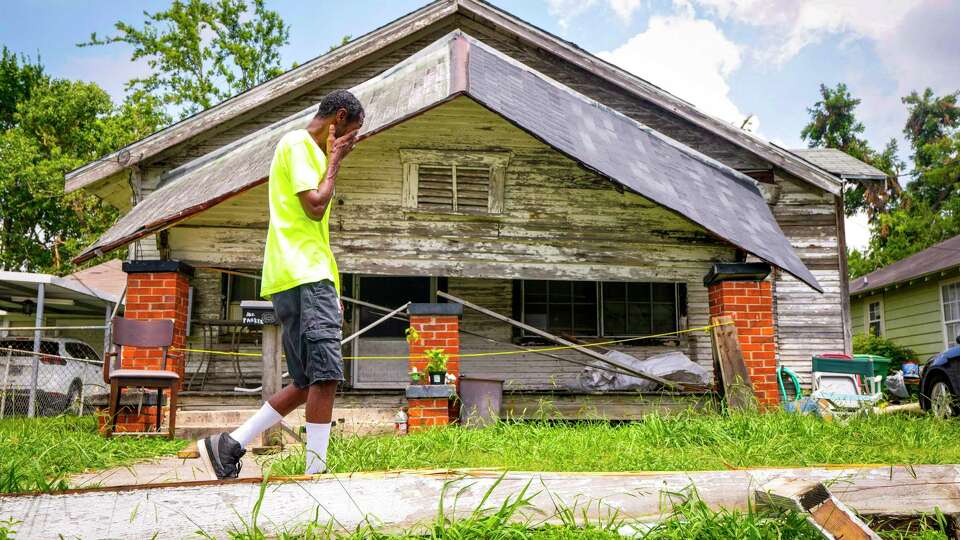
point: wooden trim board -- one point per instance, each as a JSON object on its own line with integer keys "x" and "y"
{"x": 404, "y": 499}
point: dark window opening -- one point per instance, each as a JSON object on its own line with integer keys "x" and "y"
{"x": 602, "y": 309}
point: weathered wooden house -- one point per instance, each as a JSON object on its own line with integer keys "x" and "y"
{"x": 505, "y": 166}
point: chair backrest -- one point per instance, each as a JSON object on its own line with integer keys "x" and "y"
{"x": 143, "y": 333}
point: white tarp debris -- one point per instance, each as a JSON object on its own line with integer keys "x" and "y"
{"x": 673, "y": 366}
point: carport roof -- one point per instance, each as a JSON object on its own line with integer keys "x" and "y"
{"x": 69, "y": 296}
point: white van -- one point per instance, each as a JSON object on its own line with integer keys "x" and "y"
{"x": 69, "y": 369}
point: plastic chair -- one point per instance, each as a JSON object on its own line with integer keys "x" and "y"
{"x": 152, "y": 333}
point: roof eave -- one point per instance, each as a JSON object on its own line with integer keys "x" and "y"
{"x": 149, "y": 146}
{"x": 185, "y": 129}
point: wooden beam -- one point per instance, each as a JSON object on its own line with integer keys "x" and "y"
{"x": 592, "y": 354}
{"x": 734, "y": 376}
{"x": 402, "y": 499}
{"x": 824, "y": 512}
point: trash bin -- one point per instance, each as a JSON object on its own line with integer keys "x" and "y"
{"x": 480, "y": 401}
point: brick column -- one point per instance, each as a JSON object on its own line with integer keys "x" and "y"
{"x": 438, "y": 326}
{"x": 155, "y": 290}
{"x": 741, "y": 291}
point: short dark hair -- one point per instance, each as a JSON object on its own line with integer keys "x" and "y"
{"x": 340, "y": 99}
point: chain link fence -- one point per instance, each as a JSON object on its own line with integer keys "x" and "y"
{"x": 50, "y": 371}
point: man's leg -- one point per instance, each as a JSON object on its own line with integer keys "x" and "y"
{"x": 319, "y": 417}
{"x": 221, "y": 453}
{"x": 281, "y": 404}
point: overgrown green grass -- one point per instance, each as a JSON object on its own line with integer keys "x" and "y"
{"x": 690, "y": 441}
{"x": 37, "y": 454}
{"x": 691, "y": 519}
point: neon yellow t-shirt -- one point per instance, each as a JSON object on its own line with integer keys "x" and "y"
{"x": 298, "y": 248}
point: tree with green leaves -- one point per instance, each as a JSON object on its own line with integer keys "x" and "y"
{"x": 49, "y": 127}
{"x": 201, "y": 52}
{"x": 834, "y": 124}
{"x": 928, "y": 210}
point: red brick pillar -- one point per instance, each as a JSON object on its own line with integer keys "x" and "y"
{"x": 438, "y": 327}
{"x": 155, "y": 290}
{"x": 741, "y": 291}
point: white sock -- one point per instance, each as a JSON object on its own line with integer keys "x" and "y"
{"x": 264, "y": 419}
{"x": 318, "y": 435}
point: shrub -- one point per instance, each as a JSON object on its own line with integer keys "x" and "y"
{"x": 880, "y": 346}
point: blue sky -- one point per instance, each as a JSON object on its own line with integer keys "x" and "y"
{"x": 732, "y": 58}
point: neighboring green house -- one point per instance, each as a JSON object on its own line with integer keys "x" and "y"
{"x": 914, "y": 302}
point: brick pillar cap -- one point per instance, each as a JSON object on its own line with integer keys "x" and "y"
{"x": 721, "y": 272}
{"x": 151, "y": 267}
{"x": 431, "y": 391}
{"x": 448, "y": 308}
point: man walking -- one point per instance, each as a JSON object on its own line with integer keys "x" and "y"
{"x": 301, "y": 278}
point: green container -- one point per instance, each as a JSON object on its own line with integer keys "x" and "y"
{"x": 867, "y": 365}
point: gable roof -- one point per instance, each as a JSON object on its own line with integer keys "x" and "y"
{"x": 406, "y": 26}
{"x": 937, "y": 258}
{"x": 725, "y": 202}
{"x": 840, "y": 163}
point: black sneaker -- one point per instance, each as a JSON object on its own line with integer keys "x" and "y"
{"x": 221, "y": 455}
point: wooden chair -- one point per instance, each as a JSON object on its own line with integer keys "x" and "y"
{"x": 142, "y": 334}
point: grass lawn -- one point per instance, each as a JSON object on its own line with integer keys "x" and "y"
{"x": 690, "y": 441}
{"x": 36, "y": 454}
{"x": 691, "y": 520}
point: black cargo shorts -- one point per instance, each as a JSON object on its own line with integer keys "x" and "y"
{"x": 310, "y": 319}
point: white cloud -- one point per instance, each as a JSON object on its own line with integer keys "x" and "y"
{"x": 799, "y": 23}
{"x": 566, "y": 11}
{"x": 688, "y": 57}
{"x": 857, "y": 231}
{"x": 625, "y": 8}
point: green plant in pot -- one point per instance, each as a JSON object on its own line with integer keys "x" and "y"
{"x": 437, "y": 367}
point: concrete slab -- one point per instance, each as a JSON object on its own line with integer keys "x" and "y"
{"x": 165, "y": 470}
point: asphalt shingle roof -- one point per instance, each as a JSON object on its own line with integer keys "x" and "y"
{"x": 942, "y": 256}
{"x": 723, "y": 201}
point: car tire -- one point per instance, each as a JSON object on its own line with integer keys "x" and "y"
{"x": 942, "y": 399}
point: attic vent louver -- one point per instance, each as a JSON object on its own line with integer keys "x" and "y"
{"x": 453, "y": 181}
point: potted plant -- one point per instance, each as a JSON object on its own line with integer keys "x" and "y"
{"x": 415, "y": 375}
{"x": 437, "y": 368}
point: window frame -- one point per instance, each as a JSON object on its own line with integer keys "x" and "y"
{"x": 866, "y": 316}
{"x": 943, "y": 318}
{"x": 412, "y": 158}
{"x": 678, "y": 310}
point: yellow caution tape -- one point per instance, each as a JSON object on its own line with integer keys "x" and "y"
{"x": 482, "y": 354}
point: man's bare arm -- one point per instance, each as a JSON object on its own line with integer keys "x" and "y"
{"x": 315, "y": 201}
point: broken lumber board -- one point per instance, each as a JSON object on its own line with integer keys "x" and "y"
{"x": 824, "y": 511}
{"x": 557, "y": 339}
{"x": 404, "y": 499}
{"x": 737, "y": 387}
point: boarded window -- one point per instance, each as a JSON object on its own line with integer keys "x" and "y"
{"x": 875, "y": 319}
{"x": 609, "y": 309}
{"x": 453, "y": 181}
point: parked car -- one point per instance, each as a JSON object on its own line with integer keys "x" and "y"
{"x": 68, "y": 370}
{"x": 940, "y": 383}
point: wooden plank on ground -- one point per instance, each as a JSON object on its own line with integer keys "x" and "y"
{"x": 824, "y": 511}
{"x": 737, "y": 387}
{"x": 401, "y": 500}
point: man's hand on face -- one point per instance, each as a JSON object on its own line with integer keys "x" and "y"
{"x": 339, "y": 147}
